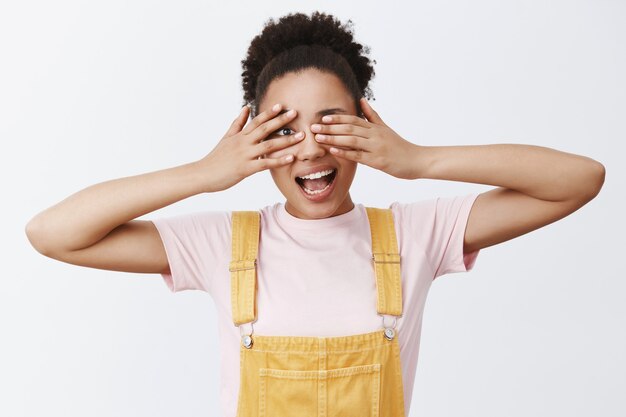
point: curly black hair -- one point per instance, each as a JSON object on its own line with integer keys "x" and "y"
{"x": 299, "y": 41}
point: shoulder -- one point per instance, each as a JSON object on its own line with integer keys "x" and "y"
{"x": 195, "y": 225}
{"x": 432, "y": 208}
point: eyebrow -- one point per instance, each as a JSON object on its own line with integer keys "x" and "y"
{"x": 323, "y": 112}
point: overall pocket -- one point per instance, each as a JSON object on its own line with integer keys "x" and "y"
{"x": 342, "y": 392}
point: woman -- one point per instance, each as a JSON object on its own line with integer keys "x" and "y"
{"x": 300, "y": 321}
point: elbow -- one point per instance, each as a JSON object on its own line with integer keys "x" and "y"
{"x": 597, "y": 180}
{"x": 594, "y": 181}
{"x": 34, "y": 235}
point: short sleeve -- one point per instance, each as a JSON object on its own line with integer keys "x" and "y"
{"x": 439, "y": 228}
{"x": 196, "y": 244}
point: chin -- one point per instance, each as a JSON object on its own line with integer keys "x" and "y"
{"x": 300, "y": 206}
{"x": 317, "y": 191}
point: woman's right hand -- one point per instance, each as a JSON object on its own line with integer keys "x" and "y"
{"x": 241, "y": 152}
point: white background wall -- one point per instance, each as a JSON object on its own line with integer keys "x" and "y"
{"x": 91, "y": 91}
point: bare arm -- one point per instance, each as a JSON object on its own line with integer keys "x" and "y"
{"x": 74, "y": 229}
{"x": 87, "y": 216}
{"x": 536, "y": 185}
{"x": 95, "y": 227}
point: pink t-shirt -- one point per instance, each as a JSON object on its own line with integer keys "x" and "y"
{"x": 315, "y": 277}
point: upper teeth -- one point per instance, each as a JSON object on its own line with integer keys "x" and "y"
{"x": 317, "y": 174}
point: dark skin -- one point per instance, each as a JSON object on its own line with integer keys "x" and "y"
{"x": 535, "y": 185}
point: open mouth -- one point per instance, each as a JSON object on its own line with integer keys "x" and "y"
{"x": 318, "y": 182}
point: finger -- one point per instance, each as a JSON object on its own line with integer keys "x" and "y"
{"x": 273, "y": 145}
{"x": 354, "y": 142}
{"x": 340, "y": 129}
{"x": 370, "y": 113}
{"x": 266, "y": 163}
{"x": 239, "y": 121}
{"x": 346, "y": 118}
{"x": 357, "y": 155}
{"x": 268, "y": 128}
{"x": 262, "y": 118}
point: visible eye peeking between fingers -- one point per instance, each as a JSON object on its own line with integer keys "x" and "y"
{"x": 276, "y": 133}
{"x": 282, "y": 129}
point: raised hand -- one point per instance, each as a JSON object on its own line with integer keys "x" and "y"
{"x": 370, "y": 142}
{"x": 238, "y": 154}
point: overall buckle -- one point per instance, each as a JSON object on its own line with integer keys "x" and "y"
{"x": 389, "y": 331}
{"x": 246, "y": 339}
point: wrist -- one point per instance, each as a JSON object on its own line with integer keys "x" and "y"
{"x": 199, "y": 176}
{"x": 421, "y": 157}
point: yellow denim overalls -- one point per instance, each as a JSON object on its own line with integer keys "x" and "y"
{"x": 301, "y": 376}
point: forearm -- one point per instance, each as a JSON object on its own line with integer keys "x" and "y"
{"x": 85, "y": 217}
{"x": 540, "y": 172}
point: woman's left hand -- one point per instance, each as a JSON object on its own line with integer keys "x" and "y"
{"x": 370, "y": 142}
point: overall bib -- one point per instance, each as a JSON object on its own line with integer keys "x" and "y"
{"x": 347, "y": 376}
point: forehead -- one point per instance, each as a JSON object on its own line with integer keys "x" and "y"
{"x": 307, "y": 91}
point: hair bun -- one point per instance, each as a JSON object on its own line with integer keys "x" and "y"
{"x": 296, "y": 29}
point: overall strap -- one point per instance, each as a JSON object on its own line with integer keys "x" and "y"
{"x": 386, "y": 261}
{"x": 243, "y": 281}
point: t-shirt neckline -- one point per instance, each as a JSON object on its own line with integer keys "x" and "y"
{"x": 317, "y": 224}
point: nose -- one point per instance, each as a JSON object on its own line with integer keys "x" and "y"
{"x": 308, "y": 148}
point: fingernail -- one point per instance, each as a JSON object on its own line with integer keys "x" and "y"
{"x": 316, "y": 128}
{"x": 334, "y": 150}
{"x": 291, "y": 112}
{"x": 289, "y": 158}
{"x": 327, "y": 119}
{"x": 299, "y": 135}
{"x": 321, "y": 138}
{"x": 276, "y": 107}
